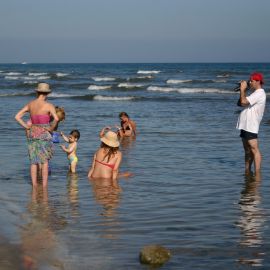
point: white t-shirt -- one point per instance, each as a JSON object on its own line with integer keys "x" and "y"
{"x": 250, "y": 118}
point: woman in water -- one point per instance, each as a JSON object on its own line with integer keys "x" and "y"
{"x": 128, "y": 127}
{"x": 107, "y": 159}
{"x": 40, "y": 144}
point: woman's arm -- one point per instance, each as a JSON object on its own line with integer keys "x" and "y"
{"x": 102, "y": 132}
{"x": 133, "y": 125}
{"x": 92, "y": 167}
{"x": 116, "y": 166}
{"x": 20, "y": 114}
{"x": 55, "y": 118}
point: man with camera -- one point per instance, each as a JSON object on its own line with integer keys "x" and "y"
{"x": 250, "y": 118}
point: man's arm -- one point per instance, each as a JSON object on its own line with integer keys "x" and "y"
{"x": 243, "y": 101}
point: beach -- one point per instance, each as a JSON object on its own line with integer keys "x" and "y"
{"x": 188, "y": 193}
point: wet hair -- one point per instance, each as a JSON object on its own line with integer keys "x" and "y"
{"x": 112, "y": 151}
{"x": 75, "y": 133}
{"x": 123, "y": 114}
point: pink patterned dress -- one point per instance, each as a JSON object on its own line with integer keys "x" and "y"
{"x": 40, "y": 145}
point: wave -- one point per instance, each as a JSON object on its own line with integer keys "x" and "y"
{"x": 107, "y": 98}
{"x": 130, "y": 85}
{"x": 18, "y": 94}
{"x": 99, "y": 87}
{"x": 60, "y": 95}
{"x": 177, "y": 81}
{"x": 189, "y": 90}
{"x": 35, "y": 74}
{"x": 140, "y": 78}
{"x": 223, "y": 76}
{"x": 12, "y": 78}
{"x": 60, "y": 74}
{"x": 103, "y": 79}
{"x": 148, "y": 71}
{"x": 30, "y": 82}
{"x": 13, "y": 73}
{"x": 27, "y": 78}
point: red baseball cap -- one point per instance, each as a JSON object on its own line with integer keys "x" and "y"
{"x": 257, "y": 77}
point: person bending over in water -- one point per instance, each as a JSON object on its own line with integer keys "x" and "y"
{"x": 72, "y": 139}
{"x": 107, "y": 159}
{"x": 128, "y": 127}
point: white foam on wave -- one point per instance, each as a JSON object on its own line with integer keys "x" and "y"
{"x": 59, "y": 95}
{"x": 13, "y": 73}
{"x": 30, "y": 82}
{"x": 43, "y": 78}
{"x": 16, "y": 94}
{"x": 161, "y": 89}
{"x": 99, "y": 87}
{"x": 203, "y": 90}
{"x": 130, "y": 85}
{"x": 145, "y": 77}
{"x": 35, "y": 78}
{"x": 98, "y": 97}
{"x": 103, "y": 79}
{"x": 177, "y": 81}
{"x": 148, "y": 71}
{"x": 223, "y": 76}
{"x": 35, "y": 74}
{"x": 188, "y": 90}
{"x": 12, "y": 78}
{"x": 60, "y": 74}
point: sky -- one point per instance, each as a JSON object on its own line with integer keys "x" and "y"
{"x": 134, "y": 31}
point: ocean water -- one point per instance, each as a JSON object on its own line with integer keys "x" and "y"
{"x": 188, "y": 192}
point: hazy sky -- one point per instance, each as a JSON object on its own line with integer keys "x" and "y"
{"x": 95, "y": 31}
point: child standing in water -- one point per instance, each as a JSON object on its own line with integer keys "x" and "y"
{"x": 72, "y": 139}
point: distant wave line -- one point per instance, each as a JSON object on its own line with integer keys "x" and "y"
{"x": 148, "y": 71}
{"x": 189, "y": 90}
{"x": 99, "y": 87}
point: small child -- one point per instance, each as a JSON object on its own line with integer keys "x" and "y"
{"x": 60, "y": 111}
{"x": 72, "y": 139}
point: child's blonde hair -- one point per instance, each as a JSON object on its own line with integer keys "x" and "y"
{"x": 60, "y": 111}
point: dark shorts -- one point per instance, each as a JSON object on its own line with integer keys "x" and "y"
{"x": 248, "y": 135}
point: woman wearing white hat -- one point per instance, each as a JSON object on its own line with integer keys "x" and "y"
{"x": 107, "y": 159}
{"x": 40, "y": 144}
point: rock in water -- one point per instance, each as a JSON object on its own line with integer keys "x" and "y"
{"x": 154, "y": 254}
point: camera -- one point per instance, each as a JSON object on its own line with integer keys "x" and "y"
{"x": 237, "y": 88}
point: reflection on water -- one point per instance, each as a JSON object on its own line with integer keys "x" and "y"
{"x": 73, "y": 193}
{"x": 38, "y": 236}
{"x": 251, "y": 219}
{"x": 107, "y": 194}
{"x": 127, "y": 143}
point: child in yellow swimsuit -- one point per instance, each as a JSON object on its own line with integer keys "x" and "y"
{"x": 72, "y": 139}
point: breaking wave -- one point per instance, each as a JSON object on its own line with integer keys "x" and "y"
{"x": 107, "y": 98}
{"x": 148, "y": 71}
{"x": 99, "y": 87}
{"x": 103, "y": 79}
{"x": 130, "y": 85}
{"x": 188, "y": 90}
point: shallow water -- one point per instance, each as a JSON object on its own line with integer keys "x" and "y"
{"x": 188, "y": 191}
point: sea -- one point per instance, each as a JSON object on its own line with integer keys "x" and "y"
{"x": 188, "y": 191}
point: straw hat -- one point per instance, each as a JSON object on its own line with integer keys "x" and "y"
{"x": 110, "y": 139}
{"x": 43, "y": 88}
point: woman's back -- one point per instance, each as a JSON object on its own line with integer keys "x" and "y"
{"x": 39, "y": 107}
{"x": 104, "y": 167}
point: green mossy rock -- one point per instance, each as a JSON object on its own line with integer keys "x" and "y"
{"x": 154, "y": 255}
